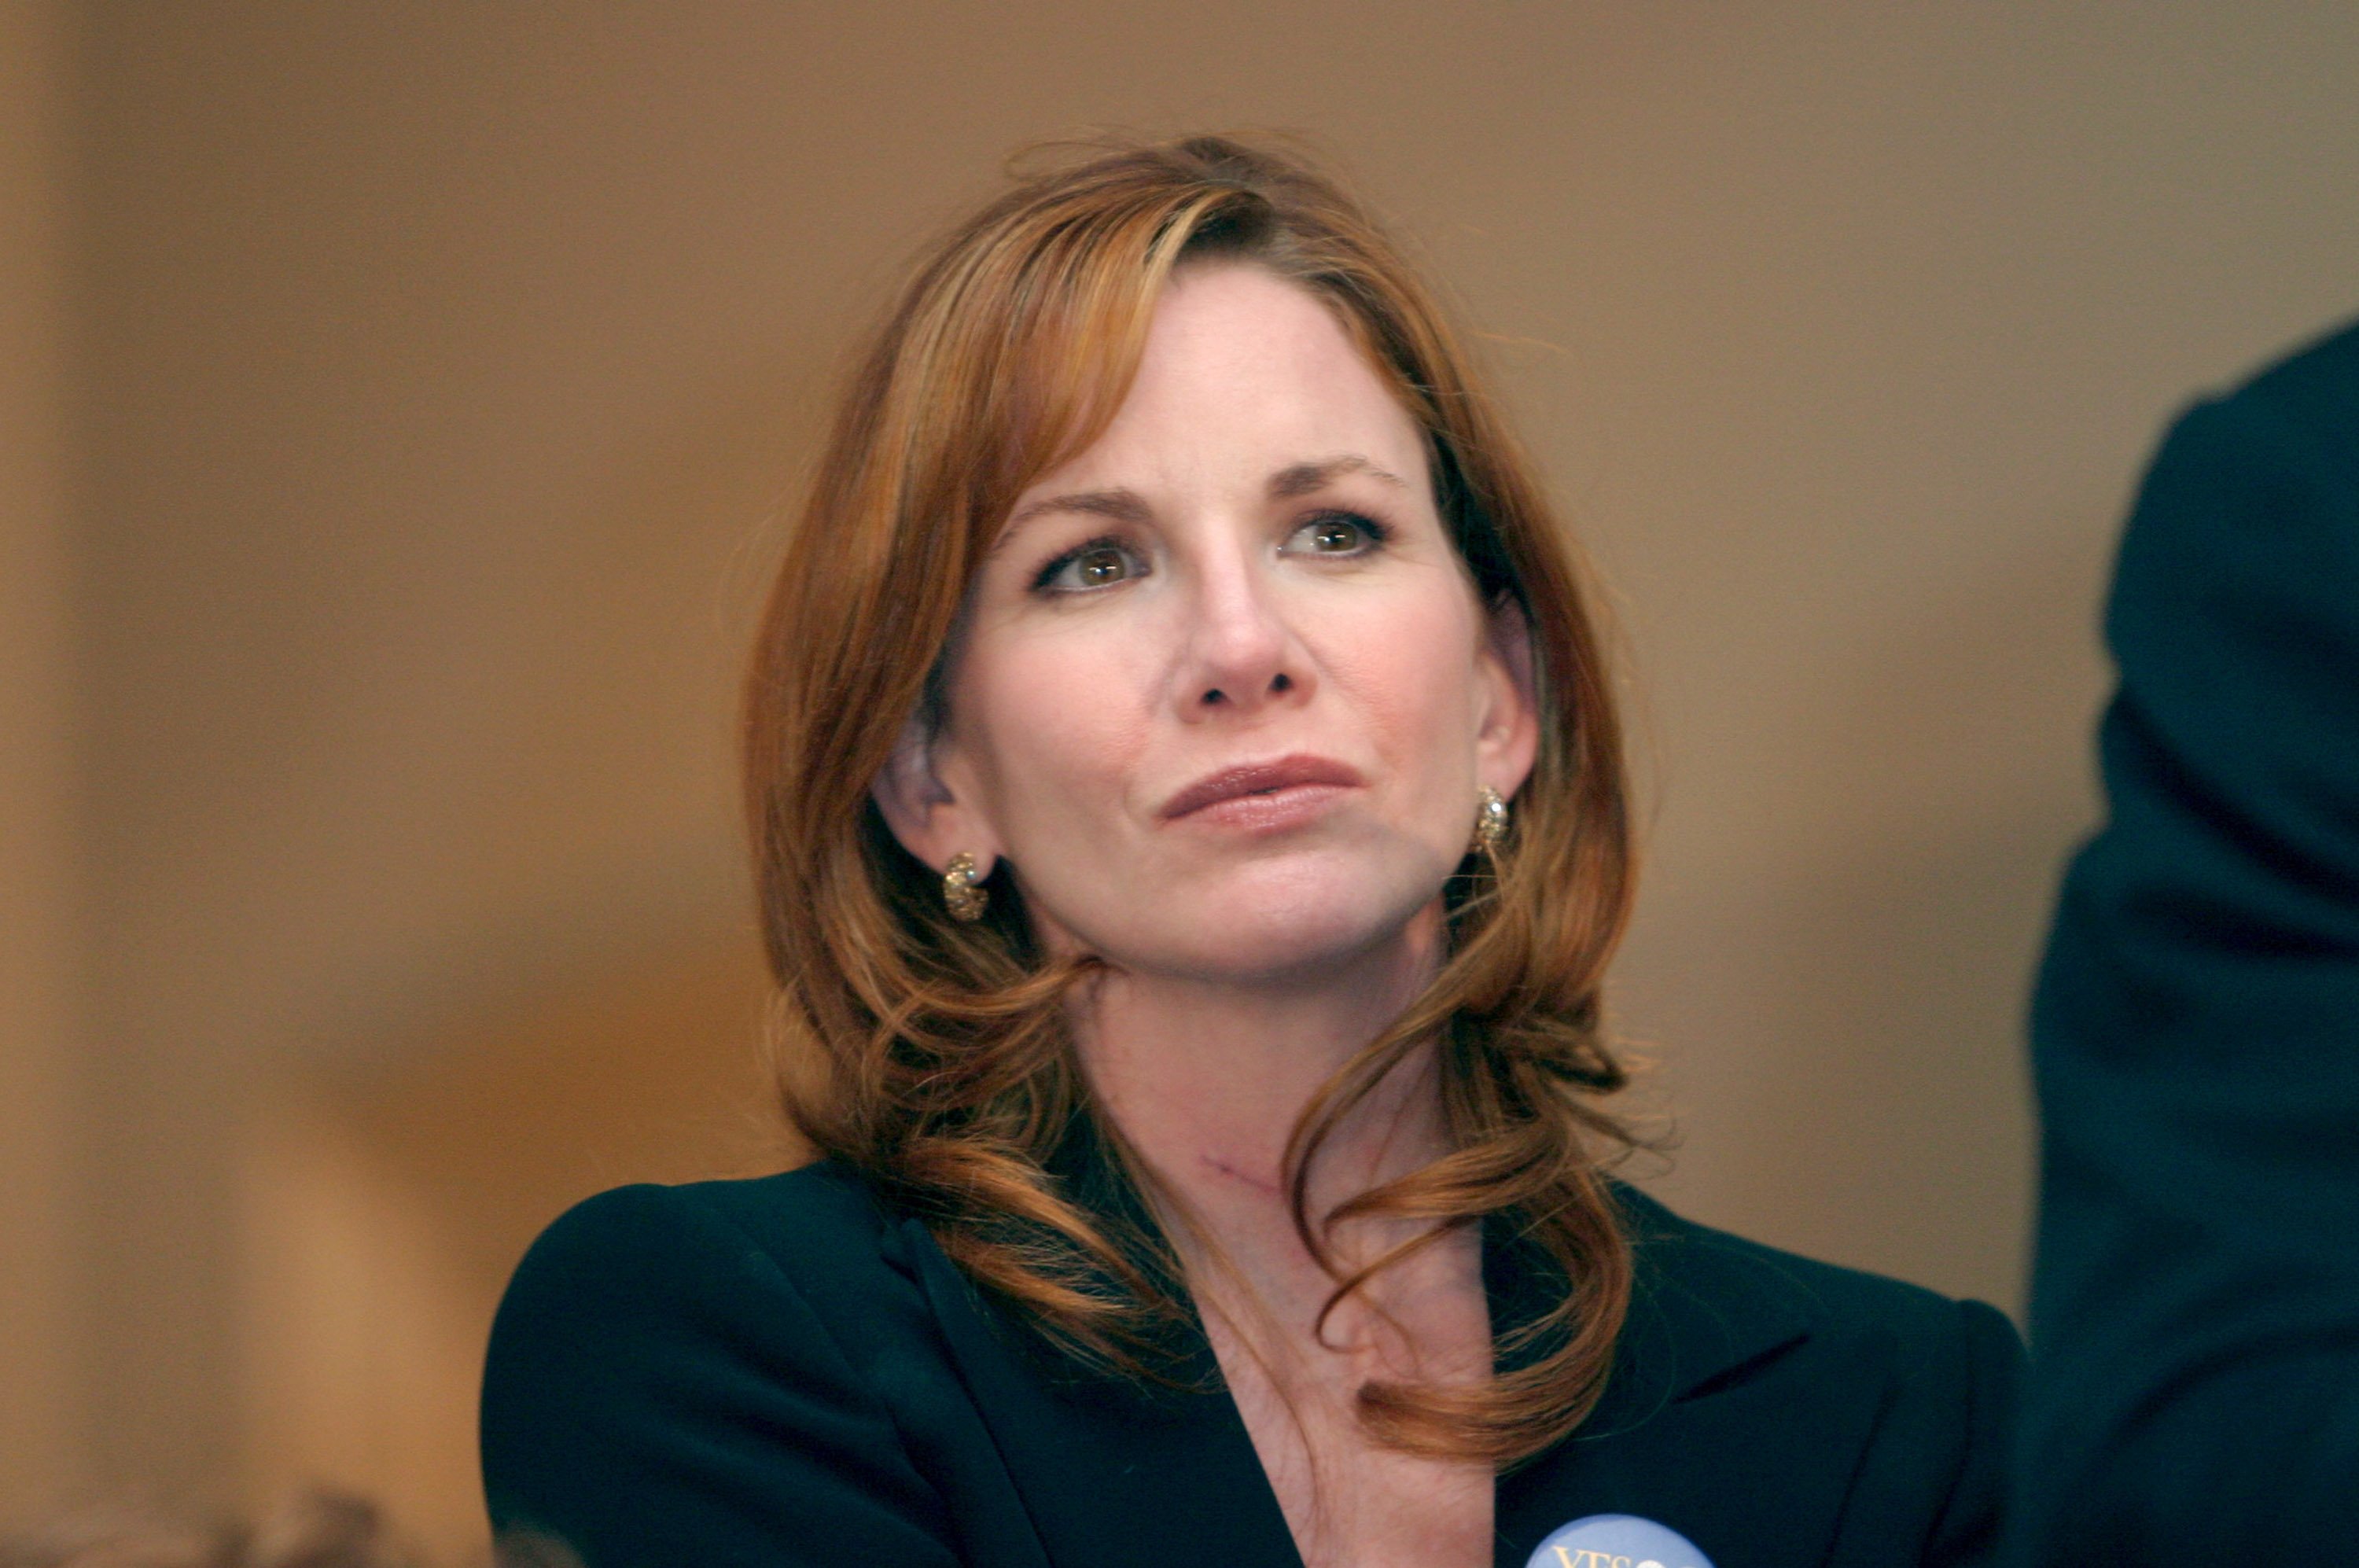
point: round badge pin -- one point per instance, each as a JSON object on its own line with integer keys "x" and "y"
{"x": 1617, "y": 1541}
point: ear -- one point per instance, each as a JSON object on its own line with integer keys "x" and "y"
{"x": 931, "y": 821}
{"x": 1507, "y": 739}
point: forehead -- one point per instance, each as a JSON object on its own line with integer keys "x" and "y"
{"x": 1244, "y": 373}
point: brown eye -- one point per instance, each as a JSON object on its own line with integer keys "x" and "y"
{"x": 1099, "y": 564}
{"x": 1100, "y": 567}
{"x": 1340, "y": 535}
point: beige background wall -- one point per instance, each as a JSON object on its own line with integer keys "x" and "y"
{"x": 39, "y": 969}
{"x": 403, "y": 391}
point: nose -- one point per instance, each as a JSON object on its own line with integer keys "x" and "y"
{"x": 1241, "y": 656}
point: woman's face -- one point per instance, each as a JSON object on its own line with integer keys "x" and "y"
{"x": 1225, "y": 694}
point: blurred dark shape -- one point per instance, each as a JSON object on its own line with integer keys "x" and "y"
{"x": 121, "y": 1539}
{"x": 326, "y": 1529}
{"x": 315, "y": 1529}
{"x": 524, "y": 1549}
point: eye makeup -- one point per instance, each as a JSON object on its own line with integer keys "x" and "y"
{"x": 1081, "y": 557}
{"x": 1109, "y": 559}
{"x": 1373, "y": 534}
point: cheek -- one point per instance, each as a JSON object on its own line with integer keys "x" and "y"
{"x": 1408, "y": 665}
{"x": 1056, "y": 730}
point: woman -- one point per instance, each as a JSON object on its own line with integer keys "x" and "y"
{"x": 1190, "y": 827}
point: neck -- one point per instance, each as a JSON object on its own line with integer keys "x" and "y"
{"x": 1206, "y": 1080}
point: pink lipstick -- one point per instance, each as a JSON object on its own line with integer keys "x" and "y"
{"x": 1282, "y": 792}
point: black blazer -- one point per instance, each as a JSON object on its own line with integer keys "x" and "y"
{"x": 2195, "y": 1310}
{"x": 782, "y": 1371}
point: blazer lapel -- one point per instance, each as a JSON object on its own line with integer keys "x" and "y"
{"x": 1711, "y": 1358}
{"x": 1109, "y": 1473}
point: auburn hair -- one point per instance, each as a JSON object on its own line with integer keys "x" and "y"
{"x": 935, "y": 1057}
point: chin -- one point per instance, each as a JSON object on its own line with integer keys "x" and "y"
{"x": 1268, "y": 930}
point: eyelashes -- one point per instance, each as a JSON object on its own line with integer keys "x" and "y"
{"x": 1331, "y": 533}
{"x": 1109, "y": 559}
{"x": 1090, "y": 565}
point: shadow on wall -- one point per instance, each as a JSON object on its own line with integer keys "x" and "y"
{"x": 384, "y": 1207}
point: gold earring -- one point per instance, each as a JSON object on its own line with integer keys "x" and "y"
{"x": 1491, "y": 820}
{"x": 962, "y": 889}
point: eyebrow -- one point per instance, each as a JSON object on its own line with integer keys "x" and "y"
{"x": 1302, "y": 478}
{"x": 1122, "y": 505}
{"x": 1127, "y": 507}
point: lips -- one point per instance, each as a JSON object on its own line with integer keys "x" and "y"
{"x": 1253, "y": 779}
